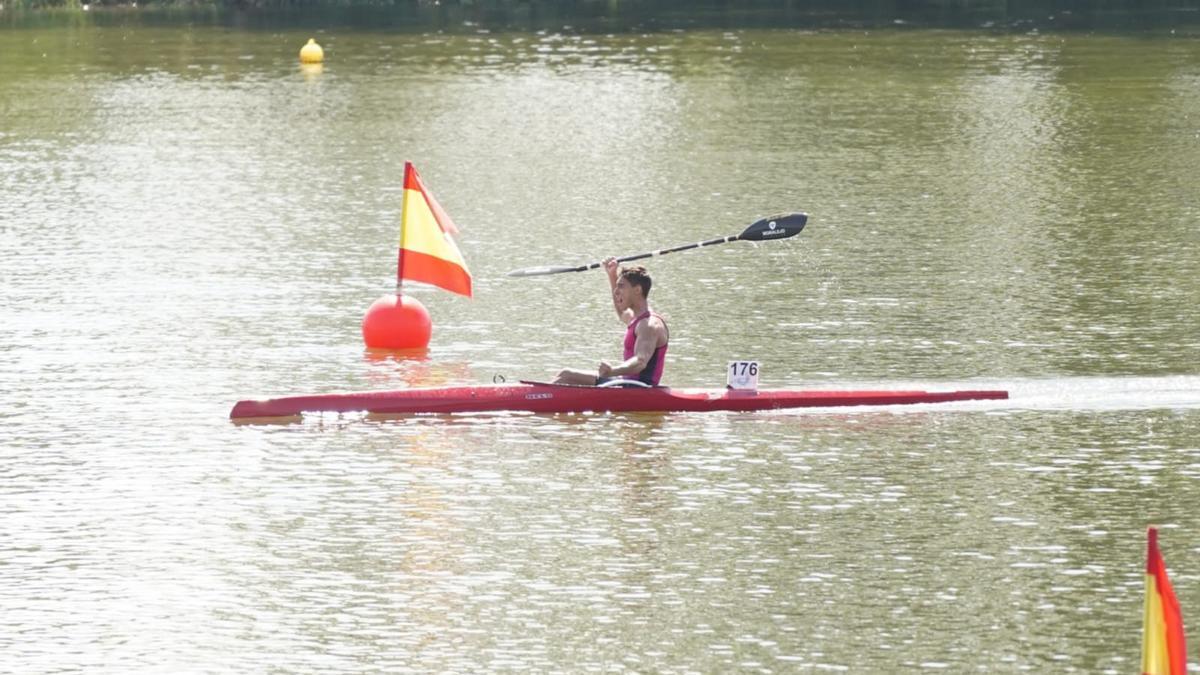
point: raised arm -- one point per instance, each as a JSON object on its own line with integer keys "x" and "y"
{"x": 610, "y": 267}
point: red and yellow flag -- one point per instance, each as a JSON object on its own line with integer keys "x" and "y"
{"x": 427, "y": 251}
{"x": 1163, "y": 650}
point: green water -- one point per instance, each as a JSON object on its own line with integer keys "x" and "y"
{"x": 188, "y": 218}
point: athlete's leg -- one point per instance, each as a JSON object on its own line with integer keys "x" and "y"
{"x": 568, "y": 376}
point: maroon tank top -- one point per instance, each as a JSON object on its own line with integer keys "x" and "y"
{"x": 653, "y": 371}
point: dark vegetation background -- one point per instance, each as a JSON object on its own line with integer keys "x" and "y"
{"x": 654, "y": 14}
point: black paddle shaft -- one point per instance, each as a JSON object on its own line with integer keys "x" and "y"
{"x": 773, "y": 227}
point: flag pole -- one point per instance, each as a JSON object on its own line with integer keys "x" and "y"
{"x": 403, "y": 211}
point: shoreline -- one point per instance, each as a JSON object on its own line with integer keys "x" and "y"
{"x": 591, "y": 16}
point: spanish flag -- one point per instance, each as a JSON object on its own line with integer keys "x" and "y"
{"x": 427, "y": 251}
{"x": 1163, "y": 650}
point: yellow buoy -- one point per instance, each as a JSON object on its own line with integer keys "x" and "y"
{"x": 312, "y": 52}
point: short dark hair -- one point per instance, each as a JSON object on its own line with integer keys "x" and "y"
{"x": 637, "y": 276}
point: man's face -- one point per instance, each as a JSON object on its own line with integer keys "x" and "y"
{"x": 623, "y": 292}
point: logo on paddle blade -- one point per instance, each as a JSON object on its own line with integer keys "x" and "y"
{"x": 772, "y": 230}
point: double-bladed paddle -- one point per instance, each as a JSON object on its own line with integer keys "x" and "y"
{"x": 773, "y": 227}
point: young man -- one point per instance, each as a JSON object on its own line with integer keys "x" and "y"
{"x": 645, "y": 333}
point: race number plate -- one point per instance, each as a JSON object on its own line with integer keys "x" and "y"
{"x": 742, "y": 375}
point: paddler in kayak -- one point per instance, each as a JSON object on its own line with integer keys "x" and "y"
{"x": 646, "y": 332}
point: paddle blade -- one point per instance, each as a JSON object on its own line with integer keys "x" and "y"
{"x": 547, "y": 269}
{"x": 781, "y": 226}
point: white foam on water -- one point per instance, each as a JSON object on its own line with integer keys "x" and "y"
{"x": 1180, "y": 392}
{"x": 1106, "y": 393}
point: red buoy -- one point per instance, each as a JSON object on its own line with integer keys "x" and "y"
{"x": 397, "y": 322}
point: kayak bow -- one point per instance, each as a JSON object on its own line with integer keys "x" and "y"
{"x": 540, "y": 397}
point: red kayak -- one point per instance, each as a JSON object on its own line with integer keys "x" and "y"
{"x": 539, "y": 397}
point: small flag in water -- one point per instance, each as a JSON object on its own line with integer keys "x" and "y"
{"x": 427, "y": 250}
{"x": 1163, "y": 650}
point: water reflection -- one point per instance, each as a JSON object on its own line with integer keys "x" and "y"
{"x": 644, "y": 473}
{"x": 312, "y": 71}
